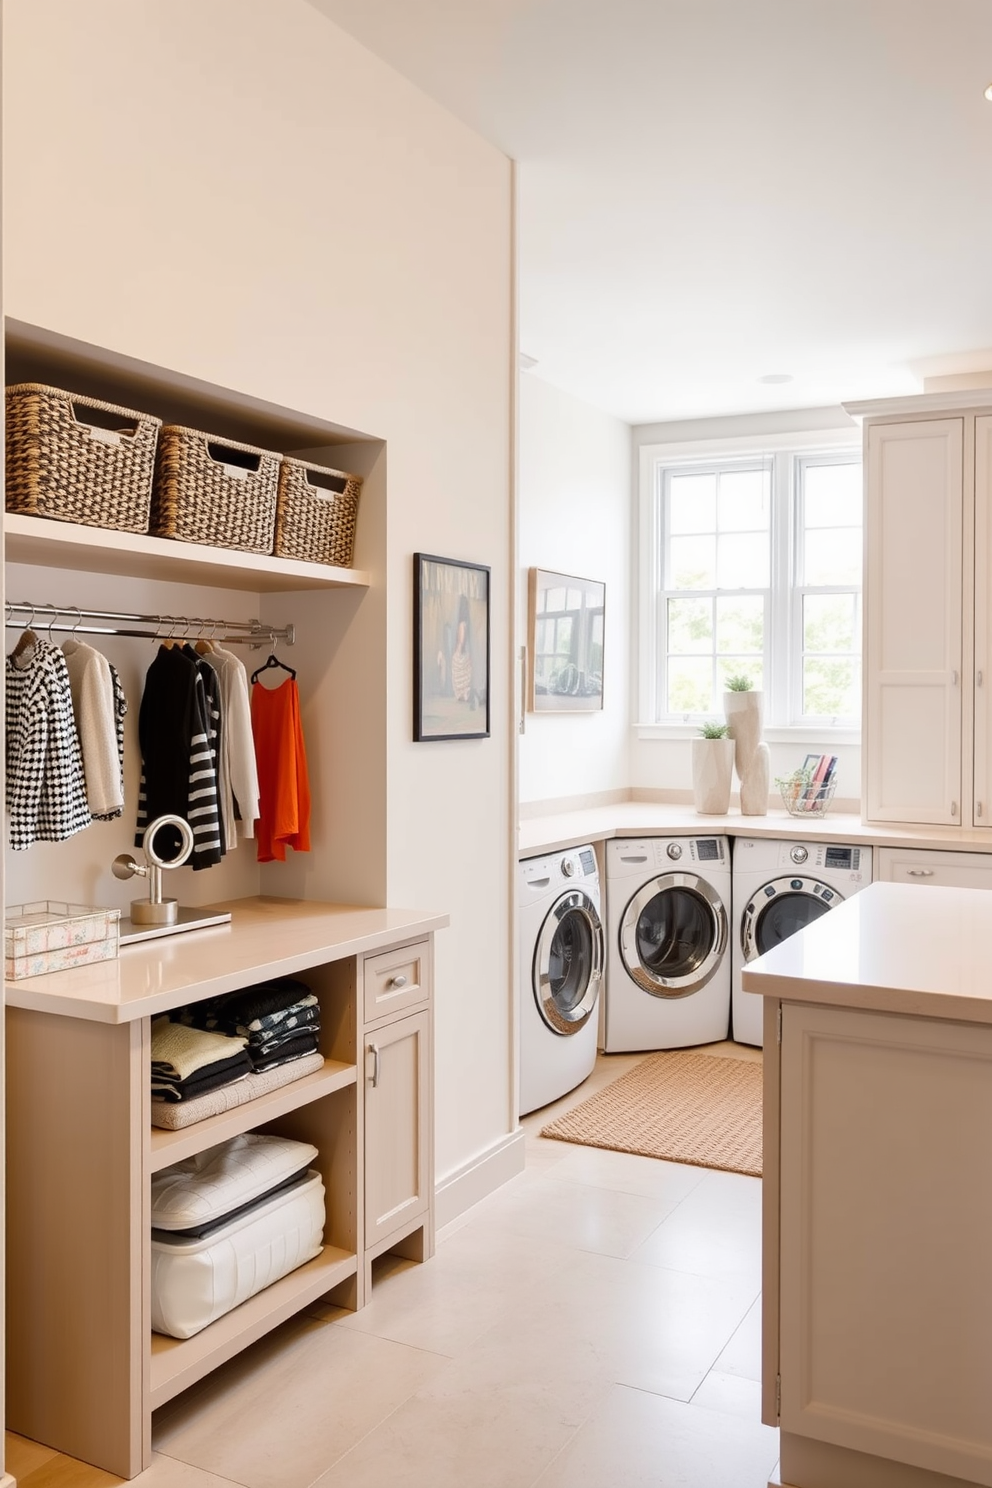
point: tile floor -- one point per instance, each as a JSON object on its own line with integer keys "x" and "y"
{"x": 595, "y": 1322}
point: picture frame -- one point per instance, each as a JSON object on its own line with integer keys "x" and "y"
{"x": 566, "y": 642}
{"x": 451, "y": 645}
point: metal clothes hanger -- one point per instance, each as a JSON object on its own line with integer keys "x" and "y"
{"x": 27, "y": 640}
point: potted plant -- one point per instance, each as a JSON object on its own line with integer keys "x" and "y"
{"x": 712, "y": 769}
{"x": 744, "y": 709}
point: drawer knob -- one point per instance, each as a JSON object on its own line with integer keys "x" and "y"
{"x": 397, "y": 981}
{"x": 920, "y": 872}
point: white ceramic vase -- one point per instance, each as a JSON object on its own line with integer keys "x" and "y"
{"x": 712, "y": 774}
{"x": 745, "y": 715}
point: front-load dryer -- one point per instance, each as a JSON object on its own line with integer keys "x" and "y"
{"x": 779, "y": 887}
{"x": 561, "y": 973}
{"x": 668, "y": 969}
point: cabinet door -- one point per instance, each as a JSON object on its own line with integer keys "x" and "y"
{"x": 983, "y": 623}
{"x": 952, "y": 870}
{"x": 885, "y": 1217}
{"x": 397, "y": 1126}
{"x": 913, "y": 619}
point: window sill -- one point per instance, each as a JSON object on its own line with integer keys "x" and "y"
{"x": 802, "y": 734}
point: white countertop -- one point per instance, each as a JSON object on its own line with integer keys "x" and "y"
{"x": 900, "y": 948}
{"x": 266, "y": 937}
{"x": 551, "y": 833}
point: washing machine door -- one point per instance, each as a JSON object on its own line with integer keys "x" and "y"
{"x": 568, "y": 962}
{"x": 673, "y": 935}
{"x": 780, "y": 908}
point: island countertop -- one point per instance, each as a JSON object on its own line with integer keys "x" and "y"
{"x": 924, "y": 951}
{"x": 267, "y": 937}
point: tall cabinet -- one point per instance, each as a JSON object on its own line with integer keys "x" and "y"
{"x": 927, "y": 727}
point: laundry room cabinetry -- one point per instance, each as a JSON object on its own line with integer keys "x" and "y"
{"x": 928, "y": 611}
{"x": 397, "y": 1052}
{"x": 954, "y": 870}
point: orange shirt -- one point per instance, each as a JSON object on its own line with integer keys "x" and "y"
{"x": 283, "y": 782}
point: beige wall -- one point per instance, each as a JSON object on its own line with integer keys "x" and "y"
{"x": 234, "y": 189}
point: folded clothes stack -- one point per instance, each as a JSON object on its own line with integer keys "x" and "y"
{"x": 190, "y": 1062}
{"x": 279, "y": 1020}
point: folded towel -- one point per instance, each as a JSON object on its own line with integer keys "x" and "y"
{"x": 178, "y": 1051}
{"x": 176, "y": 1116}
{"x": 221, "y": 1072}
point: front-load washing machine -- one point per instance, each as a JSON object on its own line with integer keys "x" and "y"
{"x": 561, "y": 972}
{"x": 668, "y": 969}
{"x": 779, "y": 887}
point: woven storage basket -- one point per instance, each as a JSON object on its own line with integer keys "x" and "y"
{"x": 316, "y": 515}
{"x": 63, "y": 467}
{"x": 213, "y": 491}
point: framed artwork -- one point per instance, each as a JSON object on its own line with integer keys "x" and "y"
{"x": 565, "y": 643}
{"x": 450, "y": 649}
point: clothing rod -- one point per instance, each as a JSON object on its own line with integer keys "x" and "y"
{"x": 258, "y": 638}
{"x": 166, "y": 627}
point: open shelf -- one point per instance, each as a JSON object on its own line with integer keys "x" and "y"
{"x": 177, "y": 1363}
{"x": 173, "y": 1146}
{"x": 40, "y": 540}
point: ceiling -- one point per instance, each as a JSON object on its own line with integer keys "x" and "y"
{"x": 712, "y": 192}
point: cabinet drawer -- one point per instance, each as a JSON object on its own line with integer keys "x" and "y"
{"x": 396, "y": 980}
{"x": 955, "y": 870}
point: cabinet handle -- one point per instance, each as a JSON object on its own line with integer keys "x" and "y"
{"x": 920, "y": 872}
{"x": 978, "y": 808}
{"x": 954, "y": 679}
{"x": 376, "y": 1063}
{"x": 397, "y": 981}
{"x": 954, "y": 808}
{"x": 978, "y": 679}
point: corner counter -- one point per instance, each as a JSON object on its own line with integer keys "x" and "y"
{"x": 877, "y": 1299}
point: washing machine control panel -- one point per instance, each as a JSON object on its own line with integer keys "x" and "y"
{"x": 799, "y": 854}
{"x": 567, "y": 867}
{"x": 674, "y": 850}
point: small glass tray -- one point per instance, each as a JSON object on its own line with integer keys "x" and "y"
{"x": 49, "y": 935}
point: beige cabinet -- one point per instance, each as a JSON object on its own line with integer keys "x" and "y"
{"x": 398, "y": 1102}
{"x": 953, "y": 870}
{"x": 878, "y": 1209}
{"x": 927, "y": 728}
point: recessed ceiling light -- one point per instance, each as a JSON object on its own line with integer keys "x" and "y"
{"x": 988, "y": 92}
{"x": 776, "y": 377}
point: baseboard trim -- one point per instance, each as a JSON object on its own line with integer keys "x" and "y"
{"x": 477, "y": 1178}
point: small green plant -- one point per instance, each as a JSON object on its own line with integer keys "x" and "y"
{"x": 740, "y": 683}
{"x": 714, "y": 731}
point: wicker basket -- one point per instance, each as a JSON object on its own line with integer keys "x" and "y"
{"x": 213, "y": 491}
{"x": 64, "y": 466}
{"x": 317, "y": 511}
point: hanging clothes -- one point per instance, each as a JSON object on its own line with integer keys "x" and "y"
{"x": 46, "y": 790}
{"x": 178, "y": 768}
{"x": 238, "y": 773}
{"x": 283, "y": 779}
{"x": 99, "y": 706}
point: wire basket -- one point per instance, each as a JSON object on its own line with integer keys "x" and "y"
{"x": 801, "y": 796}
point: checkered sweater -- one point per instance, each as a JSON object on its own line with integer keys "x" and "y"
{"x": 46, "y": 790}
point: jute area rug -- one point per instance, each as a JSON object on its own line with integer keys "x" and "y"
{"x": 681, "y": 1106}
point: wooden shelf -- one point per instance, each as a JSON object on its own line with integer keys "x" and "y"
{"x": 68, "y": 545}
{"x": 173, "y": 1146}
{"x": 177, "y": 1363}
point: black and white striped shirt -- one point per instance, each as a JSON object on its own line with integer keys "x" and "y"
{"x": 178, "y": 731}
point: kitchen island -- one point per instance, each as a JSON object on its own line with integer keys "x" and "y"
{"x": 877, "y": 1288}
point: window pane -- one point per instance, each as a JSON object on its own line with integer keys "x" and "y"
{"x": 832, "y": 555}
{"x": 830, "y": 622}
{"x": 740, "y": 625}
{"x": 736, "y": 666}
{"x": 692, "y": 563}
{"x": 742, "y": 561}
{"x": 690, "y": 685}
{"x": 690, "y": 625}
{"x": 556, "y": 599}
{"x": 744, "y": 501}
{"x": 832, "y": 687}
{"x": 833, "y": 495}
{"x": 692, "y": 503}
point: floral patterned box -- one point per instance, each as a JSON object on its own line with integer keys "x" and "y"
{"x": 51, "y": 936}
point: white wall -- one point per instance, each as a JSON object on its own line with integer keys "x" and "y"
{"x": 665, "y": 763}
{"x": 236, "y": 190}
{"x": 574, "y": 518}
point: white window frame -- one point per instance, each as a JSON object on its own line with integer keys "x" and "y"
{"x": 785, "y": 450}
